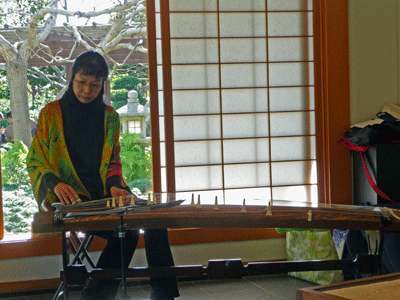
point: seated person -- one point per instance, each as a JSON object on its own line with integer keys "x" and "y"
{"x": 75, "y": 154}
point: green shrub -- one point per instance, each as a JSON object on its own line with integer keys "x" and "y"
{"x": 19, "y": 204}
{"x": 136, "y": 162}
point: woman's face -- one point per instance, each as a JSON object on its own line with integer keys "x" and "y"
{"x": 86, "y": 87}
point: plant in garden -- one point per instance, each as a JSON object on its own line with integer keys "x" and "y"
{"x": 136, "y": 162}
{"x": 120, "y": 88}
{"x": 19, "y": 205}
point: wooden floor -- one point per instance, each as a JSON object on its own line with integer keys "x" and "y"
{"x": 268, "y": 287}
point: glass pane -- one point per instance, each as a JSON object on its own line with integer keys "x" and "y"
{"x": 291, "y": 74}
{"x": 245, "y": 125}
{"x": 243, "y": 50}
{"x": 292, "y": 99}
{"x": 246, "y": 150}
{"x": 294, "y": 173}
{"x": 245, "y": 100}
{"x": 198, "y": 178}
{"x": 291, "y": 123}
{"x": 244, "y": 75}
{"x": 196, "y": 102}
{"x": 242, "y": 25}
{"x": 195, "y": 77}
{"x": 193, "y": 25}
{"x": 242, "y": 5}
{"x": 198, "y": 153}
{"x": 190, "y": 51}
{"x": 290, "y": 24}
{"x": 197, "y": 128}
{"x": 246, "y": 175}
{"x": 295, "y": 148}
{"x": 290, "y": 49}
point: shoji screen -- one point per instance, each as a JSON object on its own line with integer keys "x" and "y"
{"x": 235, "y": 80}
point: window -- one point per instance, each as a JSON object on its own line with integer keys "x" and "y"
{"x": 236, "y": 93}
{"x": 331, "y": 89}
{"x": 135, "y": 127}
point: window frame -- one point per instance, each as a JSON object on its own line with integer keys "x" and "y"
{"x": 332, "y": 114}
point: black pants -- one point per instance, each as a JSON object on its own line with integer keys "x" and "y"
{"x": 158, "y": 254}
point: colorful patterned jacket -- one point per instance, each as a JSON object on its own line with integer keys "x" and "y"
{"x": 49, "y": 154}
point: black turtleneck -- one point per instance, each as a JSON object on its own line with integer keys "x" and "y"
{"x": 84, "y": 135}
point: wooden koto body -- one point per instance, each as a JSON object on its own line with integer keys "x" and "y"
{"x": 228, "y": 216}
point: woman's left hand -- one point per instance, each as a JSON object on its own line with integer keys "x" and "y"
{"x": 116, "y": 192}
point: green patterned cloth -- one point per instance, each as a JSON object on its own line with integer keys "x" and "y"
{"x": 312, "y": 245}
{"x": 49, "y": 153}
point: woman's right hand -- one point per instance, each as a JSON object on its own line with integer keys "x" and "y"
{"x": 66, "y": 193}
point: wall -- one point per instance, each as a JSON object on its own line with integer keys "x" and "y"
{"x": 47, "y": 267}
{"x": 374, "y": 56}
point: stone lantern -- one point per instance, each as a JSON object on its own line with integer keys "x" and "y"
{"x": 134, "y": 115}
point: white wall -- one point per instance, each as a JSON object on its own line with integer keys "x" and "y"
{"x": 374, "y": 56}
{"x": 47, "y": 267}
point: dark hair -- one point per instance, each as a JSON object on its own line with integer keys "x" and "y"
{"x": 90, "y": 63}
{"x": 9, "y": 114}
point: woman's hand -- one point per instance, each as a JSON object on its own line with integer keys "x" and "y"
{"x": 116, "y": 192}
{"x": 66, "y": 193}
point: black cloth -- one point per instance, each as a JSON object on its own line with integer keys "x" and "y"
{"x": 356, "y": 243}
{"x": 84, "y": 135}
{"x": 158, "y": 254}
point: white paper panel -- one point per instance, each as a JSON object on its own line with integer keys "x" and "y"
{"x": 206, "y": 197}
{"x": 279, "y": 5}
{"x": 291, "y": 74}
{"x": 242, "y": 5}
{"x": 158, "y": 26}
{"x": 191, "y": 25}
{"x": 159, "y": 52}
{"x": 245, "y": 100}
{"x": 294, "y": 148}
{"x": 198, "y": 178}
{"x": 253, "y": 196}
{"x": 160, "y": 78}
{"x": 198, "y": 153}
{"x": 197, "y": 128}
{"x": 292, "y": 123}
{"x": 243, "y": 50}
{"x": 246, "y": 175}
{"x": 196, "y": 51}
{"x": 161, "y": 103}
{"x": 244, "y": 75}
{"x": 242, "y": 25}
{"x": 292, "y": 99}
{"x": 245, "y": 125}
{"x": 294, "y": 173}
{"x": 196, "y": 102}
{"x": 290, "y": 24}
{"x": 290, "y": 49}
{"x": 295, "y": 195}
{"x": 195, "y": 77}
{"x": 193, "y": 5}
{"x": 246, "y": 151}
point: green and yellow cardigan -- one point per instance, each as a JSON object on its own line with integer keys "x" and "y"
{"x": 49, "y": 154}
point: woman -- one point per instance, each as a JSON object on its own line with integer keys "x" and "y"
{"x": 75, "y": 155}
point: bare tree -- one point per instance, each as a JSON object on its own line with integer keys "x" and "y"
{"x": 122, "y": 25}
